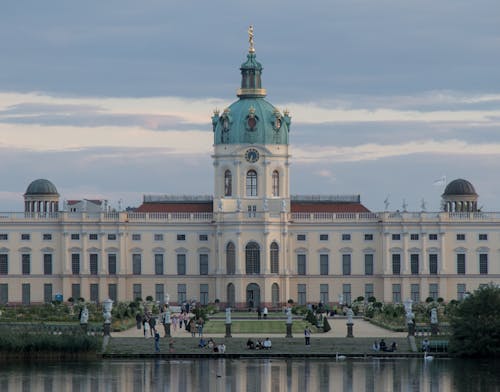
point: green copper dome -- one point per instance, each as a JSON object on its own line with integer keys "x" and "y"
{"x": 41, "y": 187}
{"x": 251, "y": 119}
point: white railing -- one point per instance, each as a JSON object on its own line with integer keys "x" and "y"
{"x": 107, "y": 217}
{"x": 333, "y": 216}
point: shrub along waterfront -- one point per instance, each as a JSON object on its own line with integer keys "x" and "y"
{"x": 32, "y": 340}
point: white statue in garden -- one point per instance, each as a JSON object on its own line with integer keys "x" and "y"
{"x": 349, "y": 313}
{"x": 84, "y": 316}
{"x": 434, "y": 316}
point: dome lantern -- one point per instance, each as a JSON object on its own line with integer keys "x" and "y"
{"x": 41, "y": 197}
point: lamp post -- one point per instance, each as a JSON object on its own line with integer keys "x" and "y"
{"x": 108, "y": 306}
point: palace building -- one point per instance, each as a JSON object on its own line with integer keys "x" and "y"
{"x": 250, "y": 243}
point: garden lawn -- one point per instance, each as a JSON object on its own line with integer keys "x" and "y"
{"x": 256, "y": 326}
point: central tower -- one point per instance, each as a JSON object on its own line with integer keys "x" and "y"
{"x": 251, "y": 195}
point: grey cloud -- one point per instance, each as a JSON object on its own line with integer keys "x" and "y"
{"x": 87, "y": 116}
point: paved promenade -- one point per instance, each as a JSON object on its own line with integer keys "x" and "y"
{"x": 361, "y": 329}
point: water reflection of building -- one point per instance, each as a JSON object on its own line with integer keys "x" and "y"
{"x": 251, "y": 242}
{"x": 378, "y": 375}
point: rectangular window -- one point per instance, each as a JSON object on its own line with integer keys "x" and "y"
{"x": 181, "y": 264}
{"x": 158, "y": 237}
{"x": 483, "y": 263}
{"x": 47, "y": 264}
{"x": 93, "y": 236}
{"x": 204, "y": 294}
{"x": 137, "y": 291}
{"x": 346, "y": 292}
{"x": 75, "y": 263}
{"x": 26, "y": 294}
{"x": 181, "y": 237}
{"x": 323, "y": 264}
{"x": 415, "y": 292}
{"x": 112, "y": 292}
{"x": 159, "y": 264}
{"x": 203, "y": 264}
{"x": 396, "y": 263}
{"x": 47, "y": 237}
{"x": 323, "y": 237}
{"x": 4, "y": 293}
{"x": 111, "y": 237}
{"x": 414, "y": 264}
{"x": 433, "y": 237}
{"x": 93, "y": 259}
{"x": 434, "y": 291}
{"x": 396, "y": 293}
{"x": 324, "y": 298}
{"x": 25, "y": 237}
{"x": 181, "y": 293}
{"x": 252, "y": 211}
{"x": 396, "y": 237}
{"x": 301, "y": 237}
{"x": 75, "y": 291}
{"x": 159, "y": 292}
{"x": 112, "y": 264}
{"x": 368, "y": 264}
{"x": 461, "y": 263}
{"x": 414, "y": 237}
{"x": 136, "y": 237}
{"x": 460, "y": 237}
{"x": 203, "y": 237}
{"x": 368, "y": 237}
{"x": 136, "y": 264}
{"x": 433, "y": 264}
{"x": 346, "y": 237}
{"x": 483, "y": 237}
{"x": 461, "y": 290}
{"x": 4, "y": 264}
{"x": 346, "y": 264}
{"x": 47, "y": 293}
{"x": 75, "y": 236}
{"x": 301, "y": 294}
{"x": 94, "y": 293}
{"x": 26, "y": 264}
{"x": 4, "y": 237}
{"x": 301, "y": 264}
{"x": 369, "y": 291}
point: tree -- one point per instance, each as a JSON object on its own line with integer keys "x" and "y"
{"x": 475, "y": 324}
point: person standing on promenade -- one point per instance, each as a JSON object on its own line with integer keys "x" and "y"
{"x": 157, "y": 341}
{"x": 307, "y": 336}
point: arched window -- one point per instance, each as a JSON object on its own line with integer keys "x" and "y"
{"x": 228, "y": 183}
{"x": 275, "y": 295}
{"x": 231, "y": 295}
{"x": 252, "y": 258}
{"x": 275, "y": 258}
{"x": 251, "y": 183}
{"x": 276, "y": 183}
{"x": 230, "y": 259}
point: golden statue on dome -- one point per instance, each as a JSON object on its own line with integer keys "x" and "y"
{"x": 250, "y": 39}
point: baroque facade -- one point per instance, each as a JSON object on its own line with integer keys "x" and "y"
{"x": 251, "y": 243}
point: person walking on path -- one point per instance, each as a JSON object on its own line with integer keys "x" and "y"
{"x": 138, "y": 320}
{"x": 307, "y": 335}
{"x": 192, "y": 328}
{"x": 264, "y": 312}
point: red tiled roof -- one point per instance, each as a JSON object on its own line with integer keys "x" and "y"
{"x": 176, "y": 207}
{"x": 311, "y": 206}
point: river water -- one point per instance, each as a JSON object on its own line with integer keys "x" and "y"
{"x": 253, "y": 375}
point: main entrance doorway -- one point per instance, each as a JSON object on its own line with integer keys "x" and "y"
{"x": 253, "y": 295}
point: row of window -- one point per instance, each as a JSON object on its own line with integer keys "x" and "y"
{"x": 95, "y": 237}
{"x": 434, "y": 237}
{"x": 433, "y": 264}
{"x": 251, "y": 183}
{"x": 325, "y": 237}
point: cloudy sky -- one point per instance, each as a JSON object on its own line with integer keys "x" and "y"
{"x": 112, "y": 99}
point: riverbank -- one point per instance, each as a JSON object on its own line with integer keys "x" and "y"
{"x": 187, "y": 347}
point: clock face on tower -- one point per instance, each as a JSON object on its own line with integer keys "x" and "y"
{"x": 252, "y": 155}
